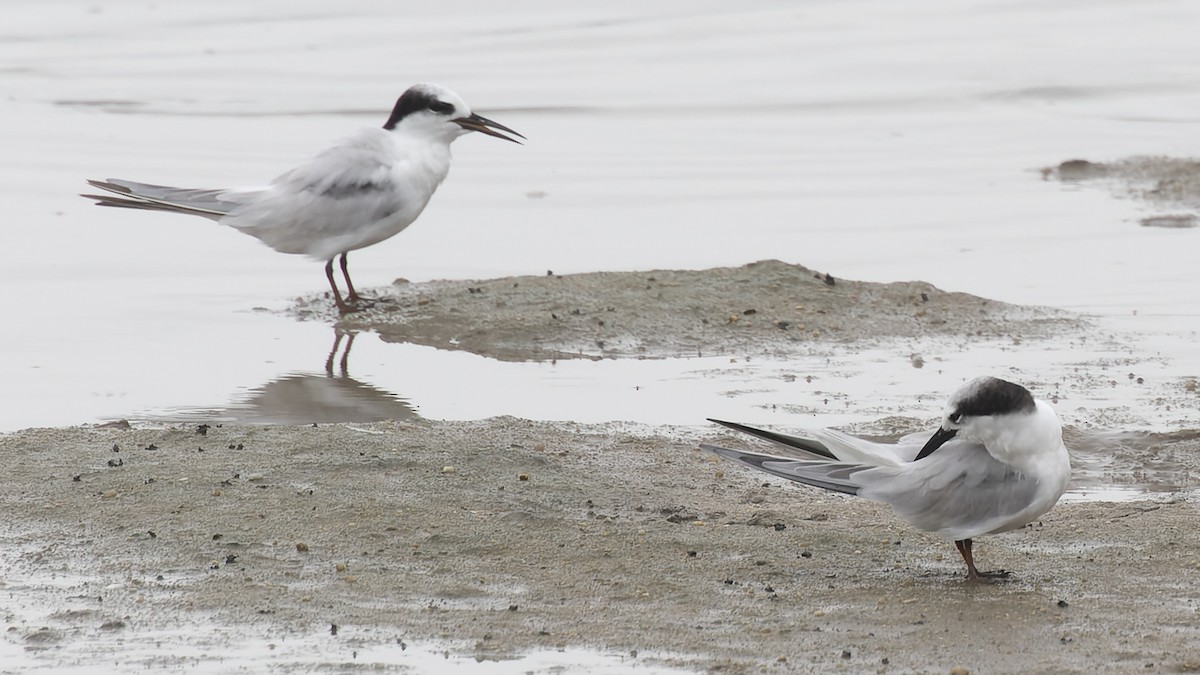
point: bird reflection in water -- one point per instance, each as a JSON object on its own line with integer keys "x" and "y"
{"x": 306, "y": 398}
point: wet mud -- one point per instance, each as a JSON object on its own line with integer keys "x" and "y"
{"x": 302, "y": 545}
{"x": 1170, "y": 185}
{"x": 764, "y": 308}
{"x": 502, "y": 536}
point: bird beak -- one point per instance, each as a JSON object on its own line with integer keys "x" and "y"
{"x": 936, "y": 441}
{"x": 484, "y": 125}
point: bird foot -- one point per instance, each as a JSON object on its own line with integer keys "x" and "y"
{"x": 990, "y": 577}
{"x": 358, "y": 303}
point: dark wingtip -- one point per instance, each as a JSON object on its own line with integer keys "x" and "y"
{"x": 805, "y": 444}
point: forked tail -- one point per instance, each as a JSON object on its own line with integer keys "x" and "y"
{"x": 128, "y": 194}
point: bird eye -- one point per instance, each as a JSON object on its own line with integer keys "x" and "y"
{"x": 956, "y": 418}
{"x": 441, "y": 107}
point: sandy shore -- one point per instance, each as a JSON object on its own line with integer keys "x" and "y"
{"x": 506, "y": 535}
{"x": 294, "y": 548}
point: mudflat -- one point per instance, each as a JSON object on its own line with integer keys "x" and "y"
{"x": 167, "y": 548}
{"x": 329, "y": 547}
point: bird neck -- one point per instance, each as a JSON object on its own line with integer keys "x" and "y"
{"x": 421, "y": 159}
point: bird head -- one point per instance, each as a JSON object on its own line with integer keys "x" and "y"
{"x": 434, "y": 111}
{"x": 981, "y": 411}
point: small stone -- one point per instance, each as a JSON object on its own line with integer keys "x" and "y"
{"x": 301, "y": 547}
{"x": 449, "y": 469}
{"x": 254, "y": 477}
{"x": 846, "y": 653}
{"x": 522, "y": 476}
{"x": 340, "y": 567}
{"x": 1063, "y": 603}
{"x": 216, "y": 492}
{"x": 109, "y": 494}
{"x": 539, "y": 447}
{"x": 959, "y": 670}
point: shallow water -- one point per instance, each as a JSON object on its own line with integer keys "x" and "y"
{"x": 872, "y": 141}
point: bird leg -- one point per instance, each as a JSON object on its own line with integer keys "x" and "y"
{"x": 964, "y": 549}
{"x": 342, "y": 305}
{"x": 352, "y": 295}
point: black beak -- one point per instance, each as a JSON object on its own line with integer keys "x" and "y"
{"x": 484, "y": 125}
{"x": 936, "y": 441}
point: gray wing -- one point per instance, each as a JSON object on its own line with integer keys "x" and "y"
{"x": 330, "y": 204}
{"x": 130, "y": 194}
{"x": 835, "y": 445}
{"x": 959, "y": 492}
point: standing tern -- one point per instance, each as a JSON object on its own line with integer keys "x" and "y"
{"x": 996, "y": 463}
{"x": 364, "y": 189}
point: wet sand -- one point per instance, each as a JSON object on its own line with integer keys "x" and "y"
{"x": 506, "y": 535}
{"x": 763, "y": 308}
{"x": 1171, "y": 185}
{"x": 173, "y": 546}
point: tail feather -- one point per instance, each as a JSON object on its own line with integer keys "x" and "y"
{"x": 834, "y": 476}
{"x": 133, "y": 195}
{"x": 109, "y": 200}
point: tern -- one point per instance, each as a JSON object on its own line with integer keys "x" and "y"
{"x": 359, "y": 192}
{"x": 996, "y": 463}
